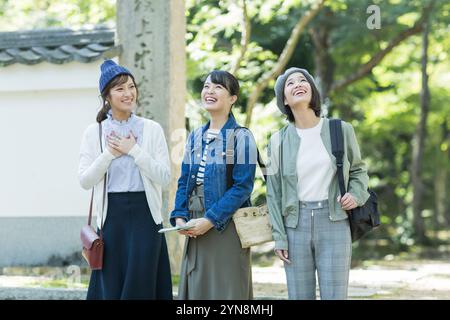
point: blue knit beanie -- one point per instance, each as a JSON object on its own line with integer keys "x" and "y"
{"x": 110, "y": 70}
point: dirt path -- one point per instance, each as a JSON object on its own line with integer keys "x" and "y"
{"x": 419, "y": 279}
{"x": 409, "y": 279}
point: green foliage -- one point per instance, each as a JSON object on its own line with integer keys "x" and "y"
{"x": 383, "y": 106}
{"x": 214, "y": 30}
{"x": 35, "y": 14}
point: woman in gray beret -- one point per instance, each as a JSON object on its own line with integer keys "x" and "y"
{"x": 310, "y": 223}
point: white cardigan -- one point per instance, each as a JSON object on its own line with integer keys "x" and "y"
{"x": 152, "y": 159}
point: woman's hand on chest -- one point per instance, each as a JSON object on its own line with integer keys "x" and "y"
{"x": 121, "y": 145}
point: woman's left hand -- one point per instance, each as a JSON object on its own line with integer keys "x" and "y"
{"x": 122, "y": 144}
{"x": 348, "y": 201}
{"x": 200, "y": 227}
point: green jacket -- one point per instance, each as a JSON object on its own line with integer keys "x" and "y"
{"x": 282, "y": 197}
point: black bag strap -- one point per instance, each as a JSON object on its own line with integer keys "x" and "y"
{"x": 104, "y": 188}
{"x": 337, "y": 147}
{"x": 230, "y": 159}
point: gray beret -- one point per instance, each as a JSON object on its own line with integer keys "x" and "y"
{"x": 279, "y": 86}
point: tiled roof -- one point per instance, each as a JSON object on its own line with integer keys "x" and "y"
{"x": 56, "y": 46}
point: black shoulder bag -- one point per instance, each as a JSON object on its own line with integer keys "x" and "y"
{"x": 362, "y": 219}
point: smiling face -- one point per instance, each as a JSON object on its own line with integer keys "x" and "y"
{"x": 123, "y": 94}
{"x": 215, "y": 97}
{"x": 297, "y": 90}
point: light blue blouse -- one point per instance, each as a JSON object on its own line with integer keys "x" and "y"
{"x": 123, "y": 173}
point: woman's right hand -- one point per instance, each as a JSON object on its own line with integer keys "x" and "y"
{"x": 111, "y": 148}
{"x": 181, "y": 223}
{"x": 283, "y": 255}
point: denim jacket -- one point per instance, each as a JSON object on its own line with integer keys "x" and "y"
{"x": 220, "y": 203}
{"x": 282, "y": 198}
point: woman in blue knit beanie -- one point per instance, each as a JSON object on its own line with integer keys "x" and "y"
{"x": 125, "y": 159}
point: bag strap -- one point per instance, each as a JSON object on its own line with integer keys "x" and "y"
{"x": 104, "y": 188}
{"x": 230, "y": 159}
{"x": 337, "y": 147}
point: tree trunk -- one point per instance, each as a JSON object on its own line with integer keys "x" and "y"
{"x": 441, "y": 181}
{"x": 152, "y": 36}
{"x": 418, "y": 144}
{"x": 447, "y": 166}
{"x": 441, "y": 193}
{"x": 323, "y": 61}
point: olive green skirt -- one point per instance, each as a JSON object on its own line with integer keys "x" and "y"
{"x": 214, "y": 266}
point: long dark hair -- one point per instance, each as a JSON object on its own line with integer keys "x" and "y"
{"x": 315, "y": 103}
{"x": 117, "y": 81}
{"x": 225, "y": 79}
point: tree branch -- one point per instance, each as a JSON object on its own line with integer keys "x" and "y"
{"x": 376, "y": 59}
{"x": 283, "y": 59}
{"x": 245, "y": 37}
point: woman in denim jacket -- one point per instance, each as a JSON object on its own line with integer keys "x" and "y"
{"x": 214, "y": 265}
{"x": 310, "y": 225}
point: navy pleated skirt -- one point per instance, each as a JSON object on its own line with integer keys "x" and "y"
{"x": 136, "y": 262}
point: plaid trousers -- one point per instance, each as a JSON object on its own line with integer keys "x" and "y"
{"x": 317, "y": 243}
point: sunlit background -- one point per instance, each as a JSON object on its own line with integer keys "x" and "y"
{"x": 370, "y": 78}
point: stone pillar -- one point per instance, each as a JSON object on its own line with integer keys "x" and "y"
{"x": 152, "y": 36}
